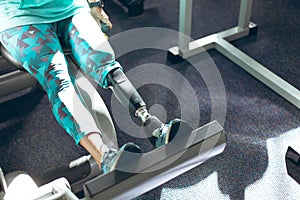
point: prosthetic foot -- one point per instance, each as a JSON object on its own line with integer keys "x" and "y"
{"x": 166, "y": 133}
{"x": 158, "y": 133}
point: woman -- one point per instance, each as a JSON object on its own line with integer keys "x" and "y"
{"x": 33, "y": 31}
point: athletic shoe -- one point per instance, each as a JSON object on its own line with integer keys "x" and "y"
{"x": 111, "y": 158}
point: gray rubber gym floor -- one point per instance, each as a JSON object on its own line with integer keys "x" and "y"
{"x": 260, "y": 125}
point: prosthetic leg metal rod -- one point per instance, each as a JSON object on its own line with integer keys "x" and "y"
{"x": 125, "y": 91}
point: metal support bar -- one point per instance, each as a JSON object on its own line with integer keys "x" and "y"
{"x": 206, "y": 142}
{"x": 245, "y": 14}
{"x": 185, "y": 24}
{"x": 209, "y": 42}
{"x": 220, "y": 41}
{"x": 260, "y": 72}
{"x": 58, "y": 189}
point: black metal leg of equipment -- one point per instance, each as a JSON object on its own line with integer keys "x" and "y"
{"x": 292, "y": 160}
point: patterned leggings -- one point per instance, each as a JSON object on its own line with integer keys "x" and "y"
{"x": 39, "y": 48}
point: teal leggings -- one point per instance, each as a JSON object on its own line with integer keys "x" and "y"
{"x": 39, "y": 47}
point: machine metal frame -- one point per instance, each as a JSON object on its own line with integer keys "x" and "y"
{"x": 221, "y": 42}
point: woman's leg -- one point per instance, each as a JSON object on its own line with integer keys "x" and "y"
{"x": 91, "y": 51}
{"x": 37, "y": 47}
{"x": 89, "y": 46}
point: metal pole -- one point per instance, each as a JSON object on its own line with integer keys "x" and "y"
{"x": 185, "y": 24}
{"x": 245, "y": 13}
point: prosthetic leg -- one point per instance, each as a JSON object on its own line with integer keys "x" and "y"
{"x": 131, "y": 100}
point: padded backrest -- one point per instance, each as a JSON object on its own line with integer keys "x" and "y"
{"x": 9, "y": 58}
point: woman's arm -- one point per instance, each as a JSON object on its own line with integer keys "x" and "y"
{"x": 98, "y": 12}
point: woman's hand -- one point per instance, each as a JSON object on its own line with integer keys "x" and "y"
{"x": 102, "y": 18}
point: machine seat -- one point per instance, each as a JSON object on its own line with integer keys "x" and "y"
{"x": 7, "y": 56}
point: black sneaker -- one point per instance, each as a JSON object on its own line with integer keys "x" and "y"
{"x": 111, "y": 158}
